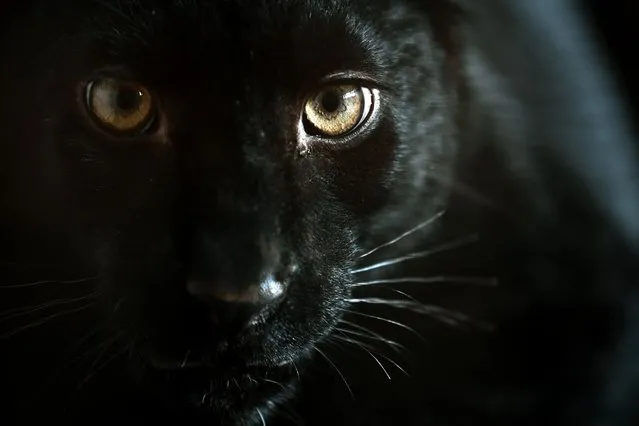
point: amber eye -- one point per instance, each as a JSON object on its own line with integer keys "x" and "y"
{"x": 337, "y": 110}
{"x": 121, "y": 107}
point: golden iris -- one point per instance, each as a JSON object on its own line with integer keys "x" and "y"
{"x": 122, "y": 107}
{"x": 335, "y": 110}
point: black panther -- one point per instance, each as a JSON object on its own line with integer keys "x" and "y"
{"x": 215, "y": 211}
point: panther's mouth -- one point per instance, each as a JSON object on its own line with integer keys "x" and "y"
{"x": 223, "y": 362}
{"x": 220, "y": 371}
{"x": 228, "y": 392}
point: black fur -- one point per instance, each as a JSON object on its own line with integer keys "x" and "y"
{"x": 221, "y": 190}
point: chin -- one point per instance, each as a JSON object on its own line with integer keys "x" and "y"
{"x": 223, "y": 394}
{"x": 227, "y": 363}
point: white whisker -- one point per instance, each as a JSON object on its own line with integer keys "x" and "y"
{"x": 480, "y": 281}
{"x": 17, "y": 312}
{"x": 103, "y": 365}
{"x": 297, "y": 371}
{"x": 399, "y": 367}
{"x": 445, "y": 315}
{"x": 365, "y": 348}
{"x": 405, "y": 234}
{"x": 372, "y": 348}
{"x": 77, "y": 346}
{"x": 259, "y": 413}
{"x": 275, "y": 383}
{"x": 342, "y": 336}
{"x": 469, "y": 239}
{"x": 118, "y": 305}
{"x": 464, "y": 189}
{"x": 406, "y": 295}
{"x": 104, "y": 348}
{"x": 45, "y": 320}
{"x": 389, "y": 321}
{"x": 185, "y": 360}
{"x": 39, "y": 283}
{"x": 350, "y": 391}
{"x": 394, "y": 345}
{"x": 371, "y": 335}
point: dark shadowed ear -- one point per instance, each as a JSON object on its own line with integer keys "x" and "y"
{"x": 445, "y": 18}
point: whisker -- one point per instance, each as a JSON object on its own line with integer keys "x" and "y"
{"x": 405, "y": 234}
{"x": 77, "y": 346}
{"x": 104, "y": 348}
{"x": 465, "y": 190}
{"x": 364, "y": 347}
{"x": 39, "y": 283}
{"x": 45, "y": 320}
{"x": 17, "y": 312}
{"x": 118, "y": 305}
{"x": 353, "y": 332}
{"x": 350, "y": 391}
{"x": 387, "y": 358}
{"x": 88, "y": 351}
{"x": 185, "y": 360}
{"x": 332, "y": 339}
{"x": 418, "y": 303}
{"x": 347, "y": 339}
{"x": 475, "y": 322}
{"x": 371, "y": 335}
{"x": 88, "y": 336}
{"x": 469, "y": 239}
{"x": 297, "y": 371}
{"x": 445, "y": 315}
{"x": 274, "y": 382}
{"x": 389, "y": 321}
{"x": 114, "y": 9}
{"x": 399, "y": 367}
{"x": 480, "y": 281}
{"x": 104, "y": 364}
{"x": 261, "y": 417}
{"x": 401, "y": 293}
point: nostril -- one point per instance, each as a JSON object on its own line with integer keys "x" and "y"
{"x": 268, "y": 291}
{"x": 234, "y": 309}
{"x": 232, "y": 318}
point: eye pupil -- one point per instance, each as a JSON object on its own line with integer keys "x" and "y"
{"x": 330, "y": 101}
{"x": 122, "y": 107}
{"x": 128, "y": 99}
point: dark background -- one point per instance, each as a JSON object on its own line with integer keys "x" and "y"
{"x": 617, "y": 24}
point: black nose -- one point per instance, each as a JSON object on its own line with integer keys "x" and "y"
{"x": 233, "y": 309}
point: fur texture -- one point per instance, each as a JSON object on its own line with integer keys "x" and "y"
{"x": 101, "y": 232}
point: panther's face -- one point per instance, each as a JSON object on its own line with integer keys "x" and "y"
{"x": 218, "y": 167}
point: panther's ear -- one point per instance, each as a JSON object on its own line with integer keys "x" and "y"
{"x": 445, "y": 17}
